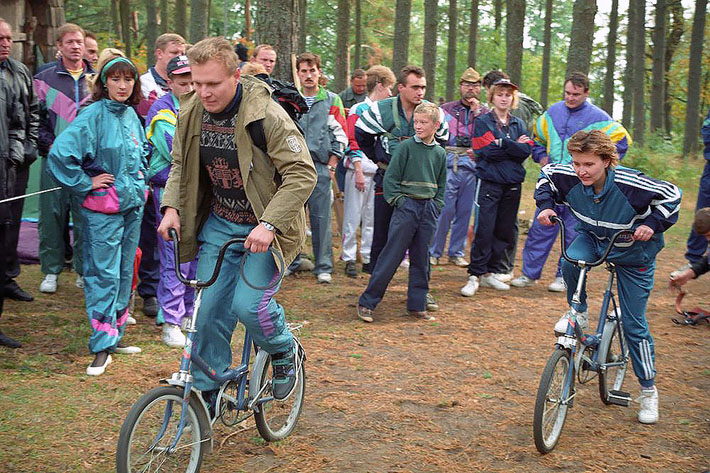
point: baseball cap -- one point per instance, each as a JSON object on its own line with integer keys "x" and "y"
{"x": 179, "y": 65}
{"x": 505, "y": 82}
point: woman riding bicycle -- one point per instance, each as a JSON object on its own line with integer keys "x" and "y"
{"x": 607, "y": 198}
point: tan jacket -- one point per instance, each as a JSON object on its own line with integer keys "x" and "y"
{"x": 277, "y": 185}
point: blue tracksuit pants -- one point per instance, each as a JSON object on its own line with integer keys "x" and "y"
{"x": 411, "y": 228}
{"x": 319, "y": 209}
{"x": 697, "y": 244}
{"x": 458, "y": 204}
{"x": 109, "y": 251}
{"x": 634, "y": 283}
{"x": 540, "y": 240}
{"x": 230, "y": 300}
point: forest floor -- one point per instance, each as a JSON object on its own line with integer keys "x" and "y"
{"x": 398, "y": 395}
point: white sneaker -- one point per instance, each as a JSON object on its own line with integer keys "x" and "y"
{"x": 471, "y": 287}
{"x": 324, "y": 278}
{"x": 582, "y": 321}
{"x": 80, "y": 281}
{"x": 558, "y": 285}
{"x": 489, "y": 280}
{"x": 523, "y": 281}
{"x": 433, "y": 260}
{"x": 127, "y": 349}
{"x": 49, "y": 284}
{"x": 458, "y": 261}
{"x": 404, "y": 264}
{"x": 504, "y": 277}
{"x": 130, "y": 320}
{"x": 173, "y": 336}
{"x": 648, "y": 411}
{"x": 98, "y": 370}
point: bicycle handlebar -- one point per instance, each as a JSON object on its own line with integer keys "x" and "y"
{"x": 577, "y": 262}
{"x": 218, "y": 265}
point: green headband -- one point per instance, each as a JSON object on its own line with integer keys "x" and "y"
{"x": 116, "y": 60}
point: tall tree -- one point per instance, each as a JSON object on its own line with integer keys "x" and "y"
{"x": 639, "y": 79}
{"x": 358, "y": 34}
{"x": 514, "y": 39}
{"x": 400, "y": 48}
{"x": 431, "y": 21}
{"x": 547, "y": 49}
{"x": 199, "y": 14}
{"x": 164, "y": 16}
{"x": 473, "y": 34}
{"x": 342, "y": 62}
{"x": 151, "y": 32}
{"x": 608, "y": 104}
{"x": 181, "y": 17}
{"x": 116, "y": 20}
{"x": 658, "y": 69}
{"x": 677, "y": 28}
{"x": 277, "y": 24}
{"x": 692, "y": 112}
{"x": 124, "y": 7}
{"x": 302, "y": 8}
{"x": 451, "y": 51}
{"x": 498, "y": 14}
{"x": 628, "y": 97}
{"x": 579, "y": 54}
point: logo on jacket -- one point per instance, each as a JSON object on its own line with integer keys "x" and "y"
{"x": 293, "y": 144}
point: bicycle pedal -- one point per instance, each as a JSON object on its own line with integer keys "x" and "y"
{"x": 620, "y": 398}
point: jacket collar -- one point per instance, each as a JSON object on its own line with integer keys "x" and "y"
{"x": 321, "y": 95}
{"x": 87, "y": 67}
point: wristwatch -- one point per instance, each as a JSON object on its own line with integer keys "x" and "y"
{"x": 268, "y": 226}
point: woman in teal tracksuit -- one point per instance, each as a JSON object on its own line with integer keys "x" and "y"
{"x": 101, "y": 158}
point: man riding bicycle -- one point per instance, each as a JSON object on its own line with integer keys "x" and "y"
{"x": 607, "y": 198}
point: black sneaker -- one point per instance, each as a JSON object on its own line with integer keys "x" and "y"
{"x": 367, "y": 268}
{"x": 13, "y": 291}
{"x": 150, "y": 306}
{"x": 350, "y": 269}
{"x": 8, "y": 341}
{"x": 285, "y": 375}
{"x": 210, "y": 398}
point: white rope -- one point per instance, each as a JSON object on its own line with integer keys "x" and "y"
{"x": 29, "y": 195}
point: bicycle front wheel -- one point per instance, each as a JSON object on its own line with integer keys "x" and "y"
{"x": 275, "y": 420}
{"x": 150, "y": 429}
{"x": 611, "y": 374}
{"x": 550, "y": 411}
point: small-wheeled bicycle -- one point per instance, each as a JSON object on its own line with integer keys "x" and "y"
{"x": 170, "y": 427}
{"x": 579, "y": 357}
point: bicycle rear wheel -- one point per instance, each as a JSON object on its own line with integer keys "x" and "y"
{"x": 550, "y": 411}
{"x": 275, "y": 420}
{"x": 610, "y": 351}
{"x": 150, "y": 429}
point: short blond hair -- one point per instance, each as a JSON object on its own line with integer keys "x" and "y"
{"x": 596, "y": 142}
{"x": 494, "y": 90}
{"x": 162, "y": 41}
{"x": 69, "y": 28}
{"x": 260, "y": 48}
{"x": 379, "y": 75}
{"x": 216, "y": 48}
{"x": 430, "y": 110}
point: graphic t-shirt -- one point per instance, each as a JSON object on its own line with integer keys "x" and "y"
{"x": 218, "y": 155}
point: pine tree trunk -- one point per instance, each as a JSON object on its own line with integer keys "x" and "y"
{"x": 675, "y": 9}
{"x": 514, "y": 39}
{"x": 164, "y": 16}
{"x": 277, "y": 25}
{"x": 400, "y": 48}
{"x": 580, "y": 44}
{"x": 358, "y": 35}
{"x": 658, "y": 68}
{"x": 473, "y": 34}
{"x": 628, "y": 98}
{"x": 431, "y": 22}
{"x": 692, "y": 112}
{"x": 248, "y": 29}
{"x": 181, "y": 17}
{"x": 116, "y": 20}
{"x": 639, "y": 80}
{"x": 124, "y": 7}
{"x": 302, "y": 9}
{"x": 608, "y": 104}
{"x": 547, "y": 48}
{"x": 342, "y": 45}
{"x": 498, "y": 13}
{"x": 151, "y": 33}
{"x": 199, "y": 13}
{"x": 451, "y": 52}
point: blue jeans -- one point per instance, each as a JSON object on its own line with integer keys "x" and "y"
{"x": 230, "y": 299}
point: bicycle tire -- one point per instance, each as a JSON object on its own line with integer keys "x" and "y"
{"x": 143, "y": 425}
{"x": 611, "y": 379}
{"x": 275, "y": 420}
{"x": 550, "y": 414}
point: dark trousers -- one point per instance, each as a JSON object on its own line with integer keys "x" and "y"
{"x": 412, "y": 228}
{"x": 11, "y": 268}
{"x": 495, "y": 226}
{"x": 383, "y": 215}
{"x": 149, "y": 270}
{"x": 4, "y": 231}
{"x": 697, "y": 244}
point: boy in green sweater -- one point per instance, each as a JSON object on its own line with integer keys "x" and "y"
{"x": 414, "y": 184}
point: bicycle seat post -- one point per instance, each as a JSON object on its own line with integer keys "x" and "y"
{"x": 580, "y": 283}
